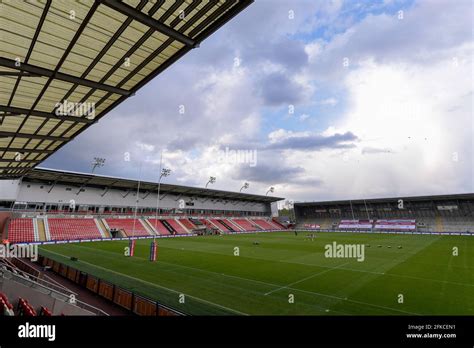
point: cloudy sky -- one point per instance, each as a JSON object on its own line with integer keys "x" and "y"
{"x": 321, "y": 99}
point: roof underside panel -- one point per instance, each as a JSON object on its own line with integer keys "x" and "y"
{"x": 65, "y": 64}
{"x": 52, "y": 176}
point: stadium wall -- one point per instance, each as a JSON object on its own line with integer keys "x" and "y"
{"x": 61, "y": 195}
{"x": 447, "y": 213}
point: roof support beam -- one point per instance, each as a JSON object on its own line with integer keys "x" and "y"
{"x": 139, "y": 16}
{"x": 5, "y": 134}
{"x": 33, "y": 69}
{"x": 84, "y": 184}
{"x": 21, "y": 111}
{"x": 5, "y": 168}
{"x": 105, "y": 191}
{"x": 17, "y": 74}
{"x": 22, "y": 150}
{"x": 52, "y": 185}
{"x": 4, "y": 160}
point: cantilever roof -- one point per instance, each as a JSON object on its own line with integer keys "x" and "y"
{"x": 53, "y": 176}
{"x": 91, "y": 53}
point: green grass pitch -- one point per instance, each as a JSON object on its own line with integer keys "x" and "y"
{"x": 286, "y": 274}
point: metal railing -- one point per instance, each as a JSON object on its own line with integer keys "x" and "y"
{"x": 50, "y": 289}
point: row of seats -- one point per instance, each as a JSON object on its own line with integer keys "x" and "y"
{"x": 222, "y": 224}
{"x": 266, "y": 225}
{"x": 159, "y": 227}
{"x": 24, "y": 308}
{"x": 22, "y": 229}
{"x": 245, "y": 224}
{"x": 188, "y": 224}
{"x": 6, "y": 308}
{"x": 132, "y": 227}
{"x": 62, "y": 229}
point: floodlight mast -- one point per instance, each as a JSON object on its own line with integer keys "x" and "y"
{"x": 164, "y": 172}
{"x": 212, "y": 179}
{"x": 136, "y": 202}
{"x": 246, "y": 186}
{"x": 271, "y": 189}
{"x": 368, "y": 217}
{"x": 97, "y": 162}
{"x": 352, "y": 210}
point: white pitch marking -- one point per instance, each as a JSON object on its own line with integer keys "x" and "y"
{"x": 302, "y": 280}
{"x": 156, "y": 285}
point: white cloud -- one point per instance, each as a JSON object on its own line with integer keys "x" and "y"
{"x": 328, "y": 101}
{"x": 408, "y": 80}
{"x": 406, "y": 112}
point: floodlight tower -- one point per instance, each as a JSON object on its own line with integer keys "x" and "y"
{"x": 97, "y": 162}
{"x": 271, "y": 189}
{"x": 246, "y": 186}
{"x": 212, "y": 179}
{"x": 164, "y": 172}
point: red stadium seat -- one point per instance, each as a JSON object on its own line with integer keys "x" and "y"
{"x": 66, "y": 229}
{"x": 188, "y": 224}
{"x": 45, "y": 312}
{"x": 245, "y": 224}
{"x": 264, "y": 224}
{"x": 128, "y": 226}
{"x": 6, "y": 308}
{"x": 176, "y": 226}
{"x": 158, "y": 226}
{"x": 21, "y": 230}
{"x": 25, "y": 309}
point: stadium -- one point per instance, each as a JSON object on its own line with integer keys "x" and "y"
{"x": 79, "y": 243}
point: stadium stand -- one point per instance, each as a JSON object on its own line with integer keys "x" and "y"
{"x": 106, "y": 209}
{"x": 264, "y": 225}
{"x": 231, "y": 224}
{"x": 64, "y": 229}
{"x": 356, "y": 224}
{"x": 21, "y": 230}
{"x": 29, "y": 291}
{"x": 56, "y": 229}
{"x": 175, "y": 226}
{"x": 395, "y": 225}
{"x": 132, "y": 227}
{"x": 430, "y": 214}
{"x": 158, "y": 226}
{"x": 277, "y": 224}
{"x": 245, "y": 225}
{"x": 188, "y": 224}
{"x": 222, "y": 225}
